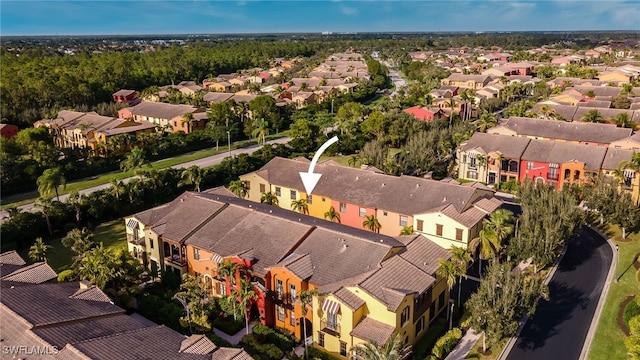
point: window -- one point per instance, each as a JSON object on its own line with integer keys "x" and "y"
{"x": 262, "y": 188}
{"x": 196, "y": 254}
{"x": 472, "y": 175}
{"x": 403, "y": 220}
{"x": 292, "y": 318}
{"x": 321, "y": 338}
{"x": 529, "y": 165}
{"x": 420, "y": 325}
{"x": 323, "y": 199}
{"x": 247, "y": 184}
{"x": 441, "y": 300}
{"x": 343, "y": 348}
{"x": 279, "y": 289}
{"x": 332, "y": 321}
{"x": 309, "y": 199}
{"x": 459, "y": 234}
{"x": 420, "y": 224}
{"x": 439, "y": 229}
{"x": 278, "y": 191}
{"x": 343, "y": 207}
{"x": 384, "y": 213}
{"x": 280, "y": 313}
{"x": 292, "y": 293}
{"x": 222, "y": 288}
{"x": 432, "y": 311}
{"x": 363, "y": 212}
{"x": 404, "y": 317}
{"x": 151, "y": 243}
{"x": 293, "y": 195}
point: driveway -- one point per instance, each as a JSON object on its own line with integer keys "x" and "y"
{"x": 204, "y": 162}
{"x": 559, "y": 327}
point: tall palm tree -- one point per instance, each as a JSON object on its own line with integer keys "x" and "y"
{"x": 38, "y": 251}
{"x": 260, "y": 130}
{"x": 189, "y": 120}
{"x": 45, "y": 206}
{"x": 488, "y": 244}
{"x": 116, "y": 188}
{"x": 461, "y": 257}
{"x": 393, "y": 349}
{"x": 300, "y": 206}
{"x": 451, "y": 104}
{"x": 500, "y": 222}
{"x": 332, "y": 215}
{"x": 593, "y": 116}
{"x": 305, "y": 298}
{"x": 239, "y": 188}
{"x": 228, "y": 270}
{"x": 245, "y": 295}
{"x": 486, "y": 121}
{"x": 269, "y": 198}
{"x": 192, "y": 175}
{"x": 49, "y": 182}
{"x": 624, "y": 120}
{"x": 76, "y": 201}
{"x": 370, "y": 222}
{"x": 135, "y": 160}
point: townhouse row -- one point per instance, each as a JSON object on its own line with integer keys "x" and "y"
{"x": 495, "y": 158}
{"x": 369, "y": 286}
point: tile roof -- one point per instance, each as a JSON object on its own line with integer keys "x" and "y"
{"x": 33, "y": 274}
{"x": 10, "y": 261}
{"x": 562, "y": 152}
{"x": 370, "y": 329}
{"x": 216, "y": 97}
{"x": 424, "y": 254}
{"x": 299, "y": 265}
{"x": 509, "y": 146}
{"x": 225, "y": 353}
{"x": 51, "y": 303}
{"x": 160, "y": 110}
{"x": 197, "y": 344}
{"x": 186, "y": 216}
{"x": 139, "y": 126}
{"x": 123, "y": 92}
{"x": 606, "y": 114}
{"x": 599, "y": 90}
{"x": 614, "y": 157}
{"x": 350, "y": 299}
{"x": 574, "y": 131}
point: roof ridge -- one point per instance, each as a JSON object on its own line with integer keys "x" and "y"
{"x": 121, "y": 333}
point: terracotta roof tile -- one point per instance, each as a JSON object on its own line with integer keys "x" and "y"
{"x": 370, "y": 329}
{"x": 350, "y": 299}
{"x": 424, "y": 254}
{"x": 509, "y": 146}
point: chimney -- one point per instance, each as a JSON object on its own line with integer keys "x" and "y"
{"x": 85, "y": 284}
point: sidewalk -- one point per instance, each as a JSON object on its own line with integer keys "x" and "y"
{"x": 464, "y": 346}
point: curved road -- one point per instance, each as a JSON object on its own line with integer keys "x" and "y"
{"x": 204, "y": 162}
{"x": 559, "y": 327}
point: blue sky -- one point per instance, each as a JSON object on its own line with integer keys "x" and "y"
{"x": 56, "y": 17}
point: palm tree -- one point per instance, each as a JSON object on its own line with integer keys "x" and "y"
{"x": 269, "y": 198}
{"x": 486, "y": 121}
{"x": 239, "y": 188}
{"x": 38, "y": 251}
{"x": 501, "y": 223}
{"x": 260, "y": 130}
{"x": 370, "y": 222}
{"x": 135, "y": 160}
{"x": 393, "y": 349}
{"x": 245, "y": 294}
{"x": 192, "y": 175}
{"x": 45, "y": 206}
{"x": 116, "y": 188}
{"x": 624, "y": 120}
{"x": 406, "y": 230}
{"x": 305, "y": 298}
{"x": 593, "y": 116}
{"x": 332, "y": 215}
{"x": 76, "y": 200}
{"x": 461, "y": 257}
{"x": 300, "y": 206}
{"x": 189, "y": 120}
{"x": 49, "y": 182}
{"x": 353, "y": 160}
{"x": 227, "y": 270}
{"x": 451, "y": 104}
{"x": 488, "y": 244}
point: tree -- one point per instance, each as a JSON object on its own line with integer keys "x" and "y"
{"x": 188, "y": 119}
{"x": 621, "y": 102}
{"x": 632, "y": 343}
{"x": 245, "y": 295}
{"x": 486, "y": 121}
{"x": 593, "y": 116}
{"x": 216, "y": 133}
{"x": 49, "y": 182}
{"x": 505, "y": 294}
{"x": 303, "y": 134}
{"x": 461, "y": 257}
{"x": 38, "y": 251}
{"x": 406, "y": 230}
{"x": 193, "y": 291}
{"x": 45, "y": 206}
{"x": 353, "y": 160}
{"x": 192, "y": 175}
{"x": 393, "y": 349}
{"x": 501, "y": 223}
{"x": 488, "y": 245}
{"x": 624, "y": 120}
{"x": 260, "y": 130}
{"x": 301, "y": 206}
{"x": 135, "y": 160}
{"x": 305, "y": 298}
{"x": 79, "y": 242}
{"x": 76, "y": 201}
{"x": 239, "y": 188}
{"x": 269, "y": 198}
{"x": 376, "y": 124}
{"x": 370, "y": 222}
{"x": 228, "y": 270}
{"x": 451, "y": 103}
{"x": 332, "y": 215}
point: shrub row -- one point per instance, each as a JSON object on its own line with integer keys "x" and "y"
{"x": 445, "y": 344}
{"x": 258, "y": 350}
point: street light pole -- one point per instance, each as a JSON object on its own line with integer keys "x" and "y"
{"x": 229, "y": 142}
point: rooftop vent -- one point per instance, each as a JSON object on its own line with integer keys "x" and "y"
{"x": 381, "y": 240}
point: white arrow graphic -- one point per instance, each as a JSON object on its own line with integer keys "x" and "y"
{"x": 309, "y": 178}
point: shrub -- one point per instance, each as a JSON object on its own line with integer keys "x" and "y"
{"x": 279, "y": 337}
{"x": 446, "y": 343}
{"x": 228, "y": 325}
{"x": 424, "y": 345}
{"x": 631, "y": 310}
{"x": 315, "y": 353}
{"x": 269, "y": 351}
{"x": 66, "y": 276}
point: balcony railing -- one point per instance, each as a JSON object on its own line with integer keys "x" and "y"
{"x": 330, "y": 328}
{"x": 175, "y": 259}
{"x": 137, "y": 241}
{"x": 552, "y": 176}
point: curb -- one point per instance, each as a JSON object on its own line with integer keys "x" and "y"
{"x": 512, "y": 340}
{"x": 603, "y": 296}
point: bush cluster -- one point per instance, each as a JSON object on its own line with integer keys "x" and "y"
{"x": 445, "y": 344}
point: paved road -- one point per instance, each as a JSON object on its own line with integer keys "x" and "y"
{"x": 204, "y": 162}
{"x": 559, "y": 327}
{"x": 398, "y": 81}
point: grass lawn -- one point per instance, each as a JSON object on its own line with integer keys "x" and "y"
{"x": 608, "y": 342}
{"x": 476, "y": 352}
{"x": 112, "y": 234}
{"x": 25, "y": 198}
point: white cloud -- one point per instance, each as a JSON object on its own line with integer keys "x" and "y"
{"x": 346, "y": 10}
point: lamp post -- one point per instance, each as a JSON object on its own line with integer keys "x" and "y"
{"x": 452, "y": 302}
{"x": 229, "y": 142}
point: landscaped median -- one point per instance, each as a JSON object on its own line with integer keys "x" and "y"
{"x": 609, "y": 339}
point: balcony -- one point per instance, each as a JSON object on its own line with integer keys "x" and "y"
{"x": 176, "y": 260}
{"x": 552, "y": 176}
{"x": 330, "y": 328}
{"x": 136, "y": 241}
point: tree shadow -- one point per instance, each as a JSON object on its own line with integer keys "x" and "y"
{"x": 581, "y": 248}
{"x": 549, "y": 315}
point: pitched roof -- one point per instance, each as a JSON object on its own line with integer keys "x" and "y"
{"x": 348, "y": 298}
{"x": 186, "y": 216}
{"x": 10, "y": 261}
{"x": 370, "y": 329}
{"x": 574, "y": 131}
{"x": 424, "y": 254}
{"x": 216, "y": 97}
{"x": 138, "y": 126}
{"x": 225, "y": 353}
{"x": 509, "y": 146}
{"x": 123, "y": 92}
{"x": 614, "y": 157}
{"x": 469, "y": 77}
{"x": 33, "y": 274}
{"x": 197, "y": 344}
{"x": 562, "y": 152}
{"x": 160, "y": 110}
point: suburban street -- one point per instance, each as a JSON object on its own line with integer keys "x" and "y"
{"x": 398, "y": 81}
{"x": 559, "y": 327}
{"x": 204, "y": 162}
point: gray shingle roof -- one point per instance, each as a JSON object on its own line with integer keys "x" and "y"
{"x": 370, "y": 329}
{"x": 574, "y": 131}
{"x": 10, "y": 261}
{"x": 216, "y": 97}
{"x": 226, "y": 353}
{"x": 511, "y": 147}
{"x": 607, "y": 114}
{"x": 614, "y": 157}
{"x": 33, "y": 274}
{"x": 561, "y": 152}
{"x": 160, "y": 110}
{"x": 350, "y": 299}
{"x": 424, "y": 254}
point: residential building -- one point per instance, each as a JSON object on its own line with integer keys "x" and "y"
{"x": 159, "y": 114}
{"x": 474, "y": 82}
{"x": 198, "y": 122}
{"x": 424, "y": 113}
{"x": 627, "y": 178}
{"x": 8, "y": 131}
{"x": 126, "y": 96}
{"x": 396, "y": 202}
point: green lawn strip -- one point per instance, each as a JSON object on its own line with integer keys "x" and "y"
{"x": 340, "y": 159}
{"x": 25, "y": 198}
{"x": 608, "y": 342}
{"x": 112, "y": 234}
{"x": 476, "y": 352}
